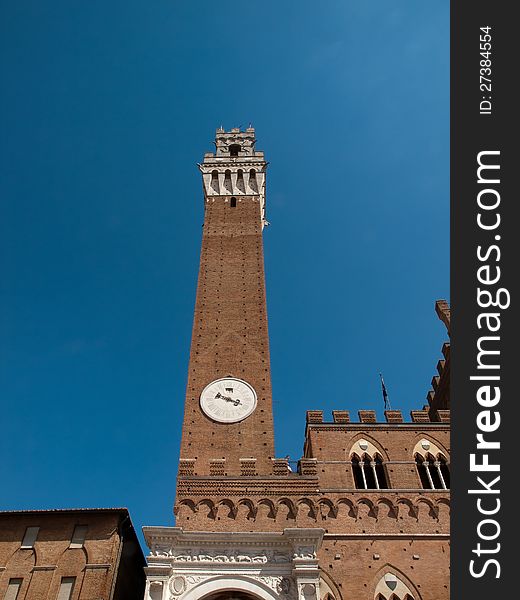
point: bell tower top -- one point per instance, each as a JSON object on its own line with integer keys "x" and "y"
{"x": 236, "y": 168}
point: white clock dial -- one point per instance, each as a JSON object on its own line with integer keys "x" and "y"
{"x": 228, "y": 400}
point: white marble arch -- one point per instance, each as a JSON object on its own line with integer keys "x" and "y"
{"x": 237, "y": 583}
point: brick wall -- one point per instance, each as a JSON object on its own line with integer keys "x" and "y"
{"x": 230, "y": 337}
{"x": 96, "y": 566}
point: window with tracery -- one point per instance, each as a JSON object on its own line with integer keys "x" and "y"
{"x": 392, "y": 587}
{"x": 369, "y": 472}
{"x": 433, "y": 471}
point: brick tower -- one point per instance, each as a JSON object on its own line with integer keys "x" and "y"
{"x": 366, "y": 513}
{"x": 232, "y": 421}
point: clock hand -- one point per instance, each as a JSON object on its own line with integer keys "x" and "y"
{"x": 228, "y": 399}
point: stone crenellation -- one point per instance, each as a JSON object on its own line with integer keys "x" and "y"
{"x": 342, "y": 417}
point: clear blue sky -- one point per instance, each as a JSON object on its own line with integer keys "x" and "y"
{"x": 106, "y": 106}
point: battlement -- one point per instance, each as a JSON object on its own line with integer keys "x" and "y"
{"x": 281, "y": 467}
{"x": 234, "y": 146}
{"x": 439, "y": 396}
{"x": 369, "y": 417}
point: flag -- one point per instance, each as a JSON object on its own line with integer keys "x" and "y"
{"x": 385, "y": 393}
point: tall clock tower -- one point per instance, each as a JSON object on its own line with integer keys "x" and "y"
{"x": 228, "y": 409}
{"x": 365, "y": 512}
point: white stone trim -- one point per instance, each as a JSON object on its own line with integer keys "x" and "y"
{"x": 187, "y": 565}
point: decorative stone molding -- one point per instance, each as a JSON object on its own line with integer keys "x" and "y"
{"x": 235, "y": 169}
{"x": 184, "y": 565}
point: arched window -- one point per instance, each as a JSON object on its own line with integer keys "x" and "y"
{"x": 234, "y": 149}
{"x": 432, "y": 466}
{"x": 369, "y": 473}
{"x": 433, "y": 472}
{"x": 233, "y": 202}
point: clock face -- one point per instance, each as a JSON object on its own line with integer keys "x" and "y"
{"x": 228, "y": 400}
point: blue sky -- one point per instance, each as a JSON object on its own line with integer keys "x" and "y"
{"x": 105, "y": 109}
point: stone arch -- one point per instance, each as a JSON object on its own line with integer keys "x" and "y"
{"x": 372, "y": 508}
{"x": 227, "y": 508}
{"x": 76, "y": 555}
{"x": 20, "y": 560}
{"x": 266, "y": 508}
{"x": 237, "y": 583}
{"x": 352, "y": 509}
{"x": 412, "y": 508}
{"x": 403, "y": 589}
{"x": 288, "y": 504}
{"x": 246, "y": 507}
{"x": 328, "y": 588}
{"x": 393, "y": 510}
{"x": 327, "y": 508}
{"x": 433, "y": 510}
{"x": 309, "y": 504}
{"x": 185, "y": 507}
{"x": 443, "y": 509}
{"x": 436, "y": 447}
{"x": 374, "y": 447}
{"x": 210, "y": 505}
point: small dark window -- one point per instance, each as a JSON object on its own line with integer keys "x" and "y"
{"x": 234, "y": 149}
{"x": 233, "y": 202}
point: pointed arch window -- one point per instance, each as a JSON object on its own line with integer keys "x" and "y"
{"x": 433, "y": 471}
{"x": 369, "y": 472}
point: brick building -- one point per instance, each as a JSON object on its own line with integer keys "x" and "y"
{"x": 366, "y": 514}
{"x": 83, "y": 554}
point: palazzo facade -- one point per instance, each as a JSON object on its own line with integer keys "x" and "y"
{"x": 364, "y": 516}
